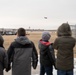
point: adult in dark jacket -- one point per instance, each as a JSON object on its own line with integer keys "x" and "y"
{"x": 3, "y": 56}
{"x": 20, "y": 53}
{"x": 47, "y": 59}
{"x": 64, "y": 45}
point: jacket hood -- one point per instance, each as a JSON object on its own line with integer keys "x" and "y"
{"x": 23, "y": 40}
{"x": 1, "y": 41}
{"x": 64, "y": 30}
{"x": 42, "y": 44}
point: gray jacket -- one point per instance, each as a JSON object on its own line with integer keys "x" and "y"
{"x": 20, "y": 54}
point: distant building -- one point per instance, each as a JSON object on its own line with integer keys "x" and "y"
{"x": 8, "y": 31}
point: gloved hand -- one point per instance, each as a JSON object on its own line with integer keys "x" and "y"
{"x": 8, "y": 68}
{"x": 55, "y": 67}
{"x": 34, "y": 64}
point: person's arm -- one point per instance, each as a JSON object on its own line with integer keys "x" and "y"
{"x": 55, "y": 44}
{"x": 51, "y": 54}
{"x": 5, "y": 59}
{"x": 34, "y": 56}
{"x": 10, "y": 52}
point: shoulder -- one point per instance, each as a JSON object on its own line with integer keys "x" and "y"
{"x": 51, "y": 47}
{"x": 2, "y": 50}
{"x": 13, "y": 44}
{"x": 32, "y": 43}
{"x": 58, "y": 38}
{"x": 73, "y": 40}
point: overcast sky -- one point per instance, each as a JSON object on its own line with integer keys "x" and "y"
{"x": 31, "y": 13}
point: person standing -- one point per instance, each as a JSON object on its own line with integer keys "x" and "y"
{"x": 20, "y": 53}
{"x": 3, "y": 56}
{"x": 64, "y": 45}
{"x": 47, "y": 57}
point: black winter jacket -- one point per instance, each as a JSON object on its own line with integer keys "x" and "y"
{"x": 47, "y": 57}
{"x": 3, "y": 60}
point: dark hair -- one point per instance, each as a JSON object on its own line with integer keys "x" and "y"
{"x": 21, "y": 32}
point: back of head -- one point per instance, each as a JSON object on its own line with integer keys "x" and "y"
{"x": 46, "y": 36}
{"x": 64, "y": 30}
{"x": 21, "y": 32}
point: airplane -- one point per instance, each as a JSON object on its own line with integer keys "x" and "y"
{"x": 45, "y": 17}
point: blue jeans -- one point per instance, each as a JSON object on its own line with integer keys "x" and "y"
{"x": 47, "y": 70}
{"x": 64, "y": 72}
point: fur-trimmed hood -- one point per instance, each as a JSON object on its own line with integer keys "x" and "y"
{"x": 64, "y": 30}
{"x": 23, "y": 40}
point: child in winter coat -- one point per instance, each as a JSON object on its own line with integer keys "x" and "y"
{"x": 47, "y": 58}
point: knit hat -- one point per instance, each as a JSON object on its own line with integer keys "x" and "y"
{"x": 46, "y": 36}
